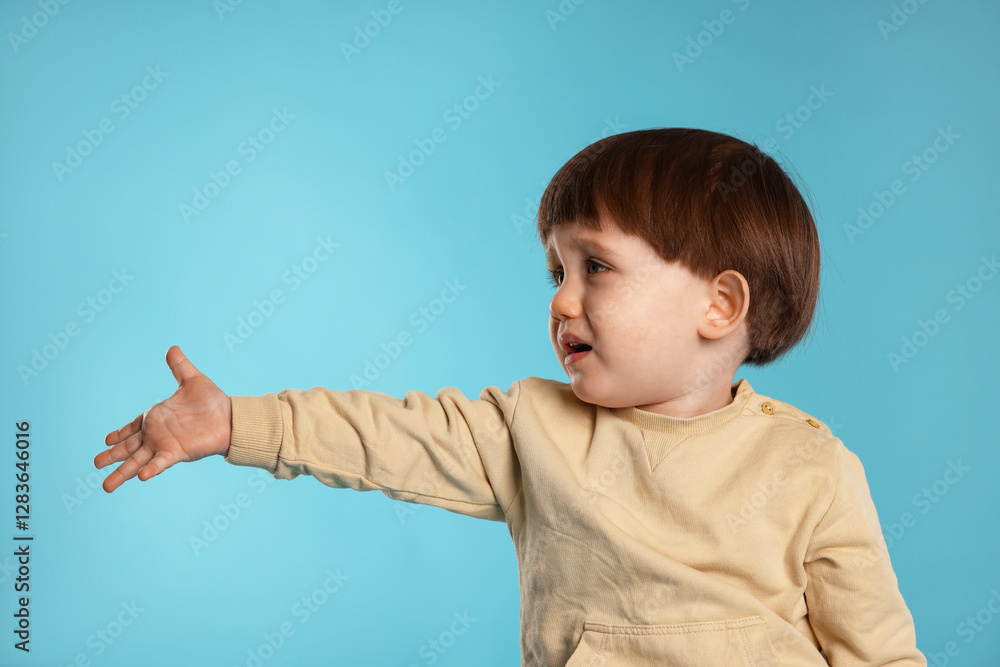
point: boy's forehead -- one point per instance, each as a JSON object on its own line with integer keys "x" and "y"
{"x": 577, "y": 236}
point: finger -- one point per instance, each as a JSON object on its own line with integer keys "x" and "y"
{"x": 127, "y": 470}
{"x": 160, "y": 462}
{"x": 180, "y": 366}
{"x": 125, "y": 431}
{"x": 119, "y": 452}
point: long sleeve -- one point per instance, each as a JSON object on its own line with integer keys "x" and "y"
{"x": 622, "y": 518}
{"x": 852, "y": 594}
{"x": 448, "y": 450}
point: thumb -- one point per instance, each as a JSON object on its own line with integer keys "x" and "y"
{"x": 180, "y": 366}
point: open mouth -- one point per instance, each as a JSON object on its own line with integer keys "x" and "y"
{"x": 577, "y": 352}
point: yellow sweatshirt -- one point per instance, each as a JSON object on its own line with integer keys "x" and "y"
{"x": 744, "y": 536}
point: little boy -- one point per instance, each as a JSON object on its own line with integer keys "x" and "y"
{"x": 661, "y": 514}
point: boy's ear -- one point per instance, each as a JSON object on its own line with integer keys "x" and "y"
{"x": 728, "y": 303}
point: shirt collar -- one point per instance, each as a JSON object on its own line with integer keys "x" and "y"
{"x": 654, "y": 421}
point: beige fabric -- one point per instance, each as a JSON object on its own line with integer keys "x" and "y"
{"x": 744, "y": 536}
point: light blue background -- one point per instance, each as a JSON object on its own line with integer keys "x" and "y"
{"x": 562, "y": 85}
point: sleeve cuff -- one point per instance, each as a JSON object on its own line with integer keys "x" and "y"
{"x": 256, "y": 433}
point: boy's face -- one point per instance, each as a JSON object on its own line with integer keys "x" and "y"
{"x": 638, "y": 313}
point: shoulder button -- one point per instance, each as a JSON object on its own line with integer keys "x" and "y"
{"x": 767, "y": 408}
{"x": 813, "y": 423}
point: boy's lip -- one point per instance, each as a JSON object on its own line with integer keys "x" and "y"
{"x": 566, "y": 338}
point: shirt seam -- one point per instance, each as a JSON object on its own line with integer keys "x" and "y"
{"x": 510, "y": 430}
{"x": 810, "y": 551}
{"x": 380, "y": 487}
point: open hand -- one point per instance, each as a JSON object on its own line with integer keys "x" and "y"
{"x": 195, "y": 422}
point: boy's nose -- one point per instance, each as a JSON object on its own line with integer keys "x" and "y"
{"x": 566, "y": 304}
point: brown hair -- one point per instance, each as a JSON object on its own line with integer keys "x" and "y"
{"x": 711, "y": 202}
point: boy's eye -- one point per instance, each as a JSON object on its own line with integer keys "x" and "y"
{"x": 555, "y": 275}
{"x": 591, "y": 262}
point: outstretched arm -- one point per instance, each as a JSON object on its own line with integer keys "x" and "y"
{"x": 193, "y": 423}
{"x": 447, "y": 450}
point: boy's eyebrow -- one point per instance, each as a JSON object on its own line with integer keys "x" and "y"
{"x": 596, "y": 245}
{"x": 592, "y": 245}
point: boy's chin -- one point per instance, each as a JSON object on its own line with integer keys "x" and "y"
{"x": 594, "y": 396}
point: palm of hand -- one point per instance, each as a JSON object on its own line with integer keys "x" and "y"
{"x": 190, "y": 425}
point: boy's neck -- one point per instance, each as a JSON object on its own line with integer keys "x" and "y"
{"x": 701, "y": 401}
